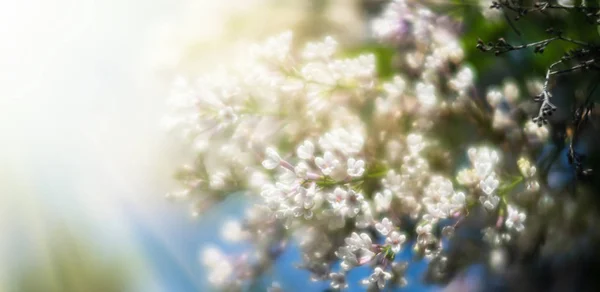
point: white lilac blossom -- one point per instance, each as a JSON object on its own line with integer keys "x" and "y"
{"x": 395, "y": 239}
{"x": 440, "y": 199}
{"x": 511, "y": 91}
{"x": 383, "y": 200}
{"x": 327, "y": 163}
{"x": 415, "y": 142}
{"x": 489, "y": 184}
{"x": 426, "y": 94}
{"x": 356, "y": 241}
{"x": 233, "y": 231}
{"x": 494, "y": 97}
{"x": 338, "y": 281}
{"x": 462, "y": 81}
{"x": 379, "y": 277}
{"x": 347, "y": 202}
{"x": 322, "y": 50}
{"x": 515, "y": 219}
{"x": 272, "y": 159}
{"x": 217, "y": 180}
{"x": 357, "y": 251}
{"x": 467, "y": 177}
{"x": 348, "y": 258}
{"x": 483, "y": 160}
{"x": 334, "y": 156}
{"x": 527, "y": 170}
{"x": 306, "y": 150}
{"x": 219, "y": 267}
{"x": 385, "y": 226}
{"x": 355, "y": 167}
{"x": 489, "y": 202}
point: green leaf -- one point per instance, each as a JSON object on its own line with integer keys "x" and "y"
{"x": 377, "y": 169}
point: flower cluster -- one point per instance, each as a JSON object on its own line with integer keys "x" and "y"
{"x": 351, "y": 165}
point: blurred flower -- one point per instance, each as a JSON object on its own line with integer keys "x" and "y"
{"x": 218, "y": 265}
{"x": 378, "y": 277}
{"x": 232, "y": 231}
{"x": 395, "y": 240}
{"x": 515, "y": 219}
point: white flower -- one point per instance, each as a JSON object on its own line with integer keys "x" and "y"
{"x": 365, "y": 218}
{"x": 217, "y": 180}
{"x": 395, "y": 240}
{"x": 287, "y": 177}
{"x": 378, "y": 277}
{"x": 489, "y": 202}
{"x": 467, "y": 177}
{"x": 342, "y": 140}
{"x": 276, "y": 47}
{"x": 338, "y": 281}
{"x": 489, "y": 184}
{"x": 355, "y": 167}
{"x": 385, "y": 226}
{"x": 526, "y": 168}
{"x": 424, "y": 228}
{"x": 356, "y": 241}
{"x": 272, "y": 159}
{"x": 337, "y": 198}
{"x": 232, "y": 231}
{"x": 396, "y": 88}
{"x": 415, "y": 143}
{"x": 219, "y": 267}
{"x": 320, "y": 50}
{"x": 494, "y": 97}
{"x": 305, "y": 197}
{"x": 383, "y": 200}
{"x": 426, "y": 94}
{"x": 306, "y": 150}
{"x": 484, "y": 160}
{"x": 463, "y": 80}
{"x": 348, "y": 258}
{"x": 511, "y": 91}
{"x": 327, "y": 163}
{"x": 459, "y": 199}
{"x": 301, "y": 169}
{"x": 355, "y": 245}
{"x": 515, "y": 218}
{"x": 345, "y": 202}
{"x": 352, "y": 204}
{"x": 440, "y": 199}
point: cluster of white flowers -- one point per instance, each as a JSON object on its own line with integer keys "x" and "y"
{"x": 482, "y": 174}
{"x": 413, "y": 26}
{"x": 441, "y": 200}
{"x": 340, "y": 159}
{"x": 272, "y": 96}
{"x": 220, "y": 269}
